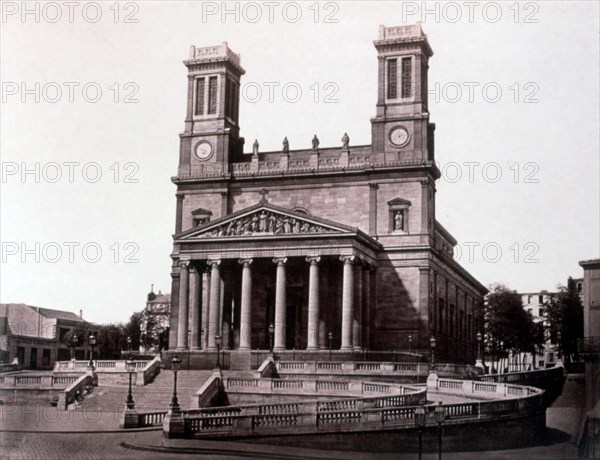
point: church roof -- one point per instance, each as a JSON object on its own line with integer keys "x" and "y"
{"x": 46, "y": 312}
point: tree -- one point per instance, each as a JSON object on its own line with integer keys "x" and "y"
{"x": 508, "y": 325}
{"x": 565, "y": 317}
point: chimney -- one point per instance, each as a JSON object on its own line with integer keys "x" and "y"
{"x": 80, "y": 314}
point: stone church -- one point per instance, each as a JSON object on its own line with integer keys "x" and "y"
{"x": 325, "y": 246}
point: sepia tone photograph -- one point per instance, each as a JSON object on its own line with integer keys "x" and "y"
{"x": 300, "y": 230}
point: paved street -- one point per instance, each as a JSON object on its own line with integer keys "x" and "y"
{"x": 95, "y": 435}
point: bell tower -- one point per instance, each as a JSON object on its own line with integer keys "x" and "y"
{"x": 401, "y": 130}
{"x": 211, "y": 136}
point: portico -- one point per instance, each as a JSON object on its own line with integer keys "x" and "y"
{"x": 270, "y": 265}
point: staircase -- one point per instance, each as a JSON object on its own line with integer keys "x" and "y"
{"x": 153, "y": 397}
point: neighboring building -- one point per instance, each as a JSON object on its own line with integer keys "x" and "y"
{"x": 313, "y": 240}
{"x": 589, "y": 350}
{"x": 35, "y": 335}
{"x": 534, "y": 304}
{"x": 590, "y": 345}
{"x": 155, "y": 321}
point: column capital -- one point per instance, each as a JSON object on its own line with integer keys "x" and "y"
{"x": 245, "y": 262}
{"x": 185, "y": 264}
{"x": 373, "y": 186}
{"x": 193, "y": 268}
{"x": 213, "y": 263}
{"x": 348, "y": 259}
{"x": 313, "y": 260}
{"x": 280, "y": 260}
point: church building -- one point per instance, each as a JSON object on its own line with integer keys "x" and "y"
{"x": 323, "y": 246}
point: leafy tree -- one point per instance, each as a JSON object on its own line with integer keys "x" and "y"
{"x": 133, "y": 329}
{"x": 508, "y": 325}
{"x": 565, "y": 315}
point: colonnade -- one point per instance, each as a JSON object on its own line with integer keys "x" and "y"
{"x": 205, "y": 320}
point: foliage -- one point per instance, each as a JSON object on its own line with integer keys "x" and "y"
{"x": 509, "y": 323}
{"x": 565, "y": 315}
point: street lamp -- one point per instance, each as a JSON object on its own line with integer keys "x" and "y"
{"x": 478, "y": 346}
{"x": 271, "y": 334}
{"x": 432, "y": 345}
{"x": 129, "y": 344}
{"x": 410, "y": 346}
{"x": 74, "y": 341}
{"x": 218, "y": 344}
{"x": 330, "y": 337}
{"x": 92, "y": 340}
{"x": 439, "y": 414}
{"x": 420, "y": 421}
{"x": 175, "y": 363}
{"x": 130, "y": 366}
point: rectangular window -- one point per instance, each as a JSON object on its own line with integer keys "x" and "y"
{"x": 392, "y": 74}
{"x": 541, "y": 312}
{"x": 200, "y": 96}
{"x": 406, "y": 77}
{"x": 212, "y": 95}
{"x": 46, "y": 357}
{"x": 541, "y": 299}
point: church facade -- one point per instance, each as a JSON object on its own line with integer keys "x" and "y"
{"x": 319, "y": 247}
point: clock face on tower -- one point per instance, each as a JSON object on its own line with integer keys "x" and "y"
{"x": 203, "y": 150}
{"x": 399, "y": 136}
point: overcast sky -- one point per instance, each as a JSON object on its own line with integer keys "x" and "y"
{"x": 101, "y": 89}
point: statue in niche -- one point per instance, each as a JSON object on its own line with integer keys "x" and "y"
{"x": 315, "y": 143}
{"x": 399, "y": 220}
{"x": 345, "y": 141}
{"x": 286, "y": 145}
{"x": 255, "y": 147}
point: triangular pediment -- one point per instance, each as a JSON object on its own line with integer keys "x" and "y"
{"x": 399, "y": 202}
{"x": 265, "y": 219}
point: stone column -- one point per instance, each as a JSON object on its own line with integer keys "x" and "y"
{"x": 280, "y": 304}
{"x": 196, "y": 289}
{"x": 205, "y": 306}
{"x": 215, "y": 299}
{"x": 245, "y": 311}
{"x": 182, "y": 324}
{"x": 347, "y": 302}
{"x": 313, "y": 304}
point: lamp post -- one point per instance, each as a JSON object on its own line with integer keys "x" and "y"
{"x": 174, "y": 423}
{"x": 129, "y": 345}
{"x": 410, "y": 346}
{"x": 439, "y": 414}
{"x": 330, "y": 337}
{"x": 130, "y": 366}
{"x": 175, "y": 363}
{"x": 271, "y": 334}
{"x": 74, "y": 341}
{"x": 218, "y": 344}
{"x": 478, "y": 346}
{"x": 432, "y": 345}
{"x": 420, "y": 421}
{"x": 92, "y": 340}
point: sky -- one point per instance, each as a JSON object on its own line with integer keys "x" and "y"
{"x": 94, "y": 98}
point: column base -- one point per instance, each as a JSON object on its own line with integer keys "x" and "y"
{"x": 180, "y": 349}
{"x": 347, "y": 348}
{"x": 313, "y": 348}
{"x": 279, "y": 349}
{"x": 195, "y": 348}
{"x": 129, "y": 419}
{"x": 173, "y": 424}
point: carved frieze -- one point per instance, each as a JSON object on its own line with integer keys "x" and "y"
{"x": 264, "y": 222}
